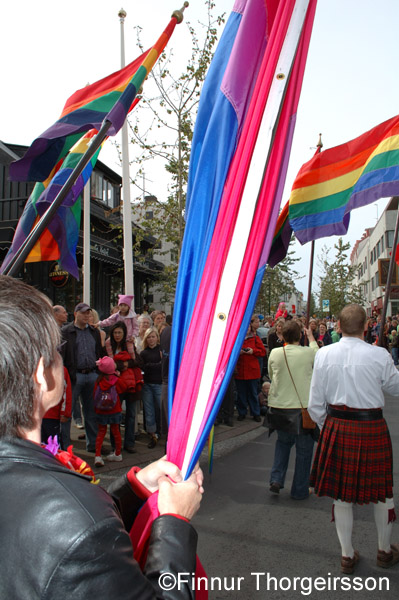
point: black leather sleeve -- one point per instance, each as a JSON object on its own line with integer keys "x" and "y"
{"x": 100, "y": 564}
{"x": 126, "y": 500}
{"x": 172, "y": 552}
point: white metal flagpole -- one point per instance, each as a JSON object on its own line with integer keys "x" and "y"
{"x": 86, "y": 243}
{"x": 127, "y": 210}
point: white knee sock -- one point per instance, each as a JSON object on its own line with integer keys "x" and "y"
{"x": 343, "y": 514}
{"x": 384, "y": 523}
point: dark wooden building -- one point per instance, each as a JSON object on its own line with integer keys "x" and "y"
{"x": 106, "y": 242}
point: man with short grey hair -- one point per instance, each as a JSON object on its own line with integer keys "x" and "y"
{"x": 60, "y": 314}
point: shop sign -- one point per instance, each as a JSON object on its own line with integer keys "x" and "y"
{"x": 57, "y": 276}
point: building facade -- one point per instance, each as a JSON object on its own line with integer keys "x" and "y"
{"x": 371, "y": 254}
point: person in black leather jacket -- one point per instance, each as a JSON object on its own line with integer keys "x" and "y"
{"x": 66, "y": 537}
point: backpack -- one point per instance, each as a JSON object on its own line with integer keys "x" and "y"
{"x": 105, "y": 400}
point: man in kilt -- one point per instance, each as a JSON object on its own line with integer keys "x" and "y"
{"x": 353, "y": 460}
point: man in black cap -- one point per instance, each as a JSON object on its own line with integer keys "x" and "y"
{"x": 80, "y": 353}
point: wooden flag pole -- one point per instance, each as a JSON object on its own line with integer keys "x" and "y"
{"x": 310, "y": 283}
{"x": 319, "y": 147}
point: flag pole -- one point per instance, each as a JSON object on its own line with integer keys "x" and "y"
{"x": 86, "y": 244}
{"x": 392, "y": 265}
{"x": 127, "y": 208}
{"x": 319, "y": 147}
{"x": 310, "y": 282}
{"x": 18, "y": 260}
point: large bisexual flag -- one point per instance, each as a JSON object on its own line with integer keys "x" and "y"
{"x": 239, "y": 160}
{"x": 349, "y": 176}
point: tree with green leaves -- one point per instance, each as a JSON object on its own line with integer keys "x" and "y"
{"x": 337, "y": 279}
{"x": 277, "y": 282}
{"x": 161, "y": 131}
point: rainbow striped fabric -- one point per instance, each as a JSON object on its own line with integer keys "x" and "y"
{"x": 110, "y": 98}
{"x": 59, "y": 240}
{"x": 281, "y": 239}
{"x": 349, "y": 176}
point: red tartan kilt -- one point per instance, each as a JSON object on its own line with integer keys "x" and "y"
{"x": 353, "y": 461}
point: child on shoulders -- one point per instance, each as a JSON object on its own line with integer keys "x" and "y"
{"x": 128, "y": 316}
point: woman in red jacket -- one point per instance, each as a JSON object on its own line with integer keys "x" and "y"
{"x": 247, "y": 374}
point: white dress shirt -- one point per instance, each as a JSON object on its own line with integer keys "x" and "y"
{"x": 351, "y": 372}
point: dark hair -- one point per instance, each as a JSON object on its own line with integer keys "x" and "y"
{"x": 352, "y": 319}
{"x": 291, "y": 332}
{"x": 28, "y": 332}
{"x": 118, "y": 325}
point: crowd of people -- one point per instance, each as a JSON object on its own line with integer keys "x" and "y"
{"x": 112, "y": 367}
{"x": 320, "y": 384}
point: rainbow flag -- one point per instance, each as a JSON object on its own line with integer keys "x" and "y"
{"x": 108, "y": 99}
{"x": 84, "y": 108}
{"x": 281, "y": 239}
{"x": 349, "y": 176}
{"x": 59, "y": 240}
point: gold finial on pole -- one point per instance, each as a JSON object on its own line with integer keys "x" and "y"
{"x": 122, "y": 14}
{"x": 178, "y": 14}
{"x": 319, "y": 143}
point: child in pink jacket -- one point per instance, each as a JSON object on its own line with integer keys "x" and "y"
{"x": 128, "y": 316}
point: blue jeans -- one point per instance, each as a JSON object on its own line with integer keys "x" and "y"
{"x": 303, "y": 461}
{"x": 395, "y": 355}
{"x": 84, "y": 387}
{"x": 130, "y": 419}
{"x": 152, "y": 406}
{"x": 247, "y": 393}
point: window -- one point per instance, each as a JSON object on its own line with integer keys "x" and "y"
{"x": 103, "y": 190}
{"x": 378, "y": 249}
{"x": 382, "y": 244}
{"x": 389, "y": 239}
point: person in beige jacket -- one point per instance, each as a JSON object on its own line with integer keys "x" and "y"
{"x": 290, "y": 371}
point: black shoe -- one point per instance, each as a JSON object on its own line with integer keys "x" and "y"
{"x": 240, "y": 417}
{"x": 229, "y": 422}
{"x": 257, "y": 418}
{"x": 130, "y": 449}
{"x": 153, "y": 442}
{"x": 275, "y": 487}
{"x": 91, "y": 450}
{"x": 82, "y": 436}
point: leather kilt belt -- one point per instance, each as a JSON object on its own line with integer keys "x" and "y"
{"x": 373, "y": 414}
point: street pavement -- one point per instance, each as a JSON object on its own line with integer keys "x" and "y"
{"x": 291, "y": 545}
{"x": 244, "y": 529}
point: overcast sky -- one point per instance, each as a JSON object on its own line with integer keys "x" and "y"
{"x": 50, "y": 49}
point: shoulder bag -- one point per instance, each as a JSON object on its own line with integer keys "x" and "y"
{"x": 307, "y": 422}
